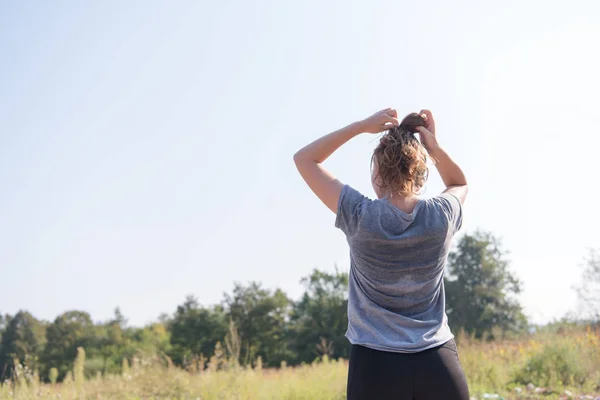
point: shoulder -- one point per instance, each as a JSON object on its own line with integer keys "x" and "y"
{"x": 352, "y": 201}
{"x": 447, "y": 207}
{"x": 351, "y": 195}
{"x": 447, "y": 200}
{"x": 351, "y": 208}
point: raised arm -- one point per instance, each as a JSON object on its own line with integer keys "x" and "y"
{"x": 451, "y": 174}
{"x": 308, "y": 159}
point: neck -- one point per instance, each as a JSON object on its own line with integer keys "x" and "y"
{"x": 397, "y": 196}
{"x": 404, "y": 203}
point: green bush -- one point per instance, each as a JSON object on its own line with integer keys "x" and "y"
{"x": 555, "y": 364}
{"x": 93, "y": 366}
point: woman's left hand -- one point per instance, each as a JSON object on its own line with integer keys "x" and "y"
{"x": 380, "y": 121}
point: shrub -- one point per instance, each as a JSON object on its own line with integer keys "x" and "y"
{"x": 555, "y": 364}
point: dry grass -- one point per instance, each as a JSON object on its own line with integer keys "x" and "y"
{"x": 318, "y": 381}
{"x": 554, "y": 362}
{"x": 568, "y": 360}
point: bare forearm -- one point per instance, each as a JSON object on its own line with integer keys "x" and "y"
{"x": 319, "y": 150}
{"x": 450, "y": 172}
{"x": 309, "y": 159}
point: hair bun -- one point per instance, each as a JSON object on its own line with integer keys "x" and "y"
{"x": 401, "y": 160}
{"x": 411, "y": 122}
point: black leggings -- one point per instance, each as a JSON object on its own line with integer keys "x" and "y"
{"x": 432, "y": 374}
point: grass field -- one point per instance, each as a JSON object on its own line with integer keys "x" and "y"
{"x": 554, "y": 365}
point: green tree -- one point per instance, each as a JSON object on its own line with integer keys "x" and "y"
{"x": 69, "y": 331}
{"x": 114, "y": 341}
{"x": 153, "y": 339}
{"x": 480, "y": 289}
{"x": 261, "y": 317}
{"x": 23, "y": 338}
{"x": 110, "y": 342}
{"x": 320, "y": 318}
{"x": 194, "y": 330}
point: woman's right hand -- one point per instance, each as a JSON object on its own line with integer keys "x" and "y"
{"x": 427, "y": 133}
{"x": 380, "y": 121}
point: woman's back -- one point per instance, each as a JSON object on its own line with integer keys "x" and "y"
{"x": 402, "y": 347}
{"x": 396, "y": 299}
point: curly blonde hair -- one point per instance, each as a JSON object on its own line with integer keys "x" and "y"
{"x": 400, "y": 158}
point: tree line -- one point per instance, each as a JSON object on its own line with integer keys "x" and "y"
{"x": 255, "y": 324}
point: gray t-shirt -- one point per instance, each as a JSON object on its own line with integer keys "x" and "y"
{"x": 397, "y": 260}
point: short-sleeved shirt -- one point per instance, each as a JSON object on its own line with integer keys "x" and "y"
{"x": 396, "y": 298}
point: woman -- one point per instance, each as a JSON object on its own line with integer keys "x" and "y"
{"x": 402, "y": 347}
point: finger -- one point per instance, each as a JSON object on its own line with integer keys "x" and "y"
{"x": 391, "y": 119}
{"x": 387, "y": 126}
{"x": 426, "y": 112}
{"x": 393, "y": 113}
{"x": 428, "y": 117}
{"x": 382, "y": 112}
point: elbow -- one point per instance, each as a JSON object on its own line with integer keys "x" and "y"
{"x": 300, "y": 158}
{"x": 299, "y": 161}
{"x": 303, "y": 159}
{"x": 297, "y": 158}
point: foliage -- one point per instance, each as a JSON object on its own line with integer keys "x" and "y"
{"x": 553, "y": 365}
{"x": 481, "y": 290}
{"x": 195, "y": 330}
{"x": 489, "y": 366}
{"x": 23, "y": 338}
{"x": 254, "y": 326}
{"x": 69, "y": 331}
{"x": 320, "y": 318}
{"x": 251, "y": 324}
{"x": 261, "y": 317}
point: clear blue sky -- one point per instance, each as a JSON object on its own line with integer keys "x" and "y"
{"x": 146, "y": 146}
